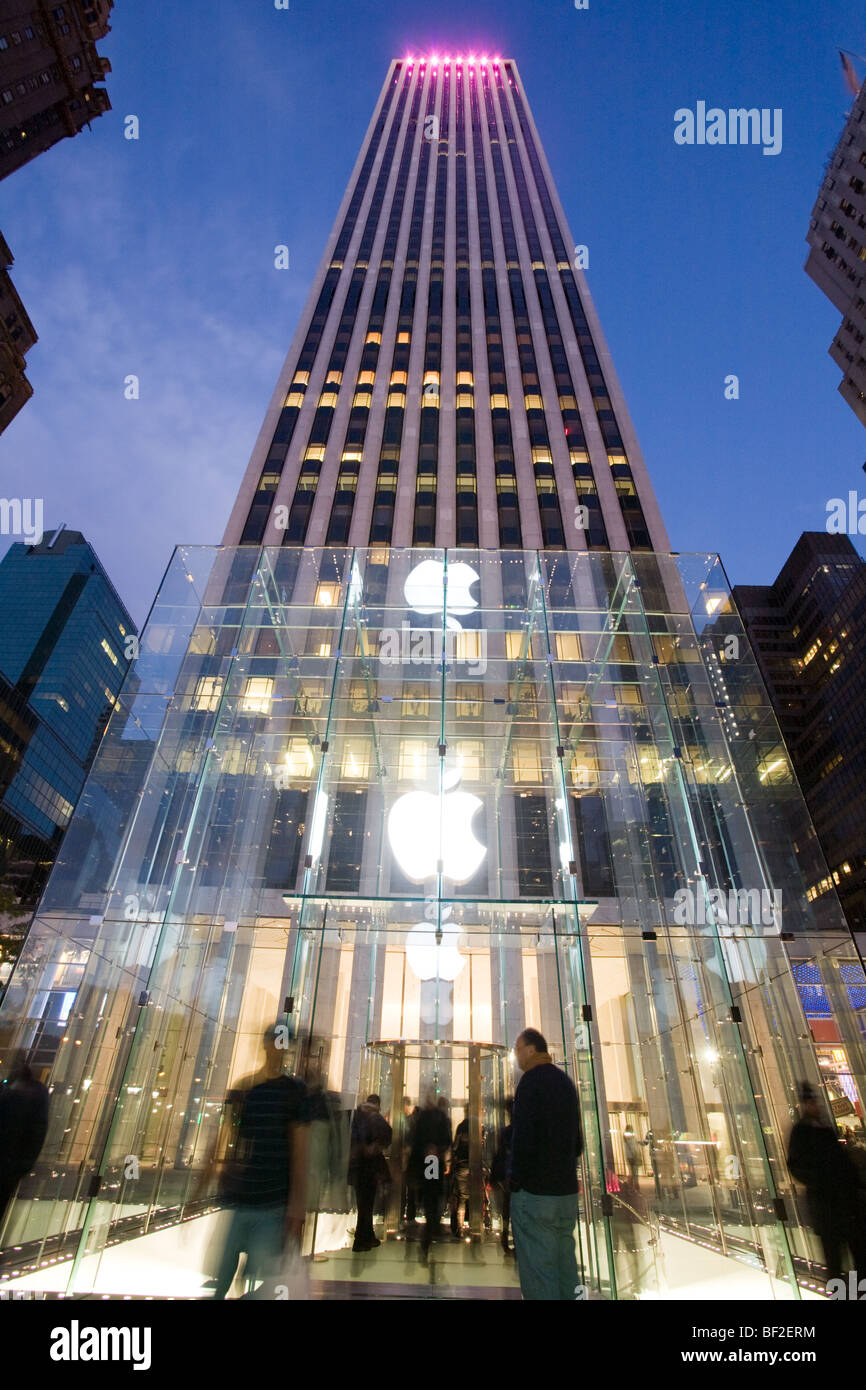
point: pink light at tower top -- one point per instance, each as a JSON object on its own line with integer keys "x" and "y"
{"x": 436, "y": 60}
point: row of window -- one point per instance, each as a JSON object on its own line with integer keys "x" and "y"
{"x": 426, "y": 472}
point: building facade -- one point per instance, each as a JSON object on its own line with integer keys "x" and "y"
{"x": 808, "y": 631}
{"x": 49, "y": 68}
{"x": 63, "y": 630}
{"x": 837, "y": 238}
{"x": 441, "y": 742}
{"x": 17, "y": 336}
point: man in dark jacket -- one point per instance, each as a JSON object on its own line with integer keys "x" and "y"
{"x": 371, "y": 1135}
{"x": 546, "y": 1143}
{"x": 818, "y": 1160}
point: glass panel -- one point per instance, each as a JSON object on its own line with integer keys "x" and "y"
{"x": 361, "y": 817}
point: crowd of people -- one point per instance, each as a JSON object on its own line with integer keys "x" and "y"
{"x": 289, "y": 1154}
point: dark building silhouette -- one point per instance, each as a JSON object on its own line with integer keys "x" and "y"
{"x": 17, "y": 336}
{"x": 837, "y": 237}
{"x": 808, "y": 630}
{"x": 49, "y": 68}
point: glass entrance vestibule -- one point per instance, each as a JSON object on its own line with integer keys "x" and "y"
{"x": 401, "y": 805}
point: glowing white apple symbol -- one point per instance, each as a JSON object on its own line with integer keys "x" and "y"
{"x": 421, "y": 834}
{"x": 432, "y": 960}
{"x": 426, "y": 592}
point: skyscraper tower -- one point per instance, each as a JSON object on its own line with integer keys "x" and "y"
{"x": 441, "y": 742}
{"x": 449, "y": 383}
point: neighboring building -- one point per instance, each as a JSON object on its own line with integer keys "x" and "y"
{"x": 49, "y": 68}
{"x": 17, "y": 336}
{"x": 837, "y": 236}
{"x": 808, "y": 631}
{"x": 63, "y": 630}
{"x": 434, "y": 746}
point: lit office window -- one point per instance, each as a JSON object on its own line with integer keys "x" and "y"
{"x": 298, "y": 760}
{"x": 207, "y": 693}
{"x": 567, "y": 646}
{"x": 355, "y": 764}
{"x": 526, "y": 761}
{"x": 257, "y": 695}
{"x": 412, "y": 762}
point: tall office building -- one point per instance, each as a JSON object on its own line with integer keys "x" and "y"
{"x": 837, "y": 237}
{"x": 808, "y": 631}
{"x": 443, "y": 741}
{"x": 448, "y": 383}
{"x": 63, "y": 629}
{"x": 49, "y": 68}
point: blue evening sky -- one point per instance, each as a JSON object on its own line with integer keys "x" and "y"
{"x": 156, "y": 258}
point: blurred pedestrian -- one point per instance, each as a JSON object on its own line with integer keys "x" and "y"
{"x": 460, "y": 1177}
{"x": 821, "y": 1163}
{"x": 23, "y": 1126}
{"x": 431, "y": 1141}
{"x": 265, "y": 1184}
{"x": 371, "y": 1135}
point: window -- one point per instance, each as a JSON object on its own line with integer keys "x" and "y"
{"x": 526, "y": 761}
{"x": 514, "y": 645}
{"x": 469, "y": 698}
{"x": 359, "y": 699}
{"x": 15, "y": 36}
{"x": 112, "y": 655}
{"x": 311, "y": 697}
{"x": 567, "y": 646}
{"x": 327, "y": 595}
{"x": 4, "y": 42}
{"x": 207, "y": 693}
{"x": 355, "y": 765}
{"x": 412, "y": 761}
{"x": 257, "y": 695}
{"x": 28, "y": 33}
{"x": 416, "y": 700}
{"x": 59, "y": 12}
{"x": 298, "y": 759}
{"x": 469, "y": 646}
{"x": 470, "y": 759}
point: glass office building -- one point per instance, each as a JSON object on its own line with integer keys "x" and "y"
{"x": 441, "y": 742}
{"x": 63, "y": 636}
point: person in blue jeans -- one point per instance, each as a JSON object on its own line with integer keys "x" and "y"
{"x": 546, "y": 1142}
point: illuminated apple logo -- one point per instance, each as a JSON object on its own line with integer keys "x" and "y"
{"x": 431, "y": 959}
{"x": 425, "y": 590}
{"x": 419, "y": 838}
